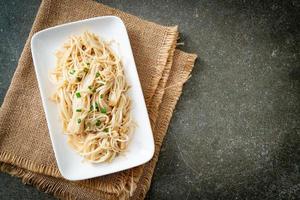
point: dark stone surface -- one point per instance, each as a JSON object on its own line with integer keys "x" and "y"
{"x": 235, "y": 133}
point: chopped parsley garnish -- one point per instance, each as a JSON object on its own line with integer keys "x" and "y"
{"x": 78, "y": 78}
{"x": 78, "y": 95}
{"x": 96, "y": 105}
{"x": 86, "y": 70}
{"x": 97, "y": 74}
{"x": 91, "y": 88}
{"x": 106, "y": 130}
{"x": 101, "y": 96}
{"x": 103, "y": 110}
{"x": 78, "y": 121}
{"x": 98, "y": 123}
{"x": 72, "y": 71}
{"x": 91, "y": 107}
{"x": 78, "y": 110}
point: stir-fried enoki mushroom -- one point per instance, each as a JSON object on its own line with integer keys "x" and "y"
{"x": 92, "y": 98}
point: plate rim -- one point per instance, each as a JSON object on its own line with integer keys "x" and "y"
{"x": 44, "y": 103}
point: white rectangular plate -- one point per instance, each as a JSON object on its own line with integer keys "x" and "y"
{"x": 44, "y": 44}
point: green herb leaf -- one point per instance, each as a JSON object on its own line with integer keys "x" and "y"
{"x": 78, "y": 95}
{"x": 91, "y": 107}
{"x": 97, "y": 74}
{"x": 72, "y": 71}
{"x": 88, "y": 64}
{"x": 78, "y": 110}
{"x": 103, "y": 110}
{"x": 86, "y": 70}
{"x": 96, "y": 105}
{"x": 101, "y": 96}
{"x": 78, "y": 121}
{"x": 98, "y": 123}
{"x": 106, "y": 130}
{"x": 91, "y": 88}
{"x": 78, "y": 79}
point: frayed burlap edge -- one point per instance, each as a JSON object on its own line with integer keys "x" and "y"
{"x": 159, "y": 92}
{"x": 164, "y": 60}
{"x": 19, "y": 162}
{"x": 51, "y": 186}
{"x": 28, "y": 178}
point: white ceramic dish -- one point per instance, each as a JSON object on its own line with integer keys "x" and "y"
{"x": 43, "y": 46}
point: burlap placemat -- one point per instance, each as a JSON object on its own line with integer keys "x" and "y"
{"x": 25, "y": 148}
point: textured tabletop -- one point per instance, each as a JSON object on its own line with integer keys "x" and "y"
{"x": 235, "y": 133}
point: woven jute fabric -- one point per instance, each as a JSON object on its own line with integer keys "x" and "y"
{"x": 25, "y": 147}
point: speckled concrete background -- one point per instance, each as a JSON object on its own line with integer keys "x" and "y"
{"x": 235, "y": 133}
